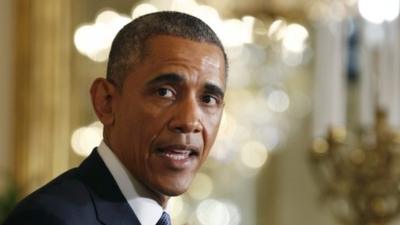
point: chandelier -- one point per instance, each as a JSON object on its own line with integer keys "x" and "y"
{"x": 360, "y": 175}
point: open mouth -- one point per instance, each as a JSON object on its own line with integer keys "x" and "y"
{"x": 177, "y": 155}
{"x": 178, "y": 152}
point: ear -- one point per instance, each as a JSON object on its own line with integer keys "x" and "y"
{"x": 103, "y": 93}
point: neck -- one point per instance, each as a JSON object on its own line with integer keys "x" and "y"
{"x": 144, "y": 191}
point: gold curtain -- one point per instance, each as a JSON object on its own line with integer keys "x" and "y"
{"x": 43, "y": 43}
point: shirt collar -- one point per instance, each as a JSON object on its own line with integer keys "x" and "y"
{"x": 147, "y": 210}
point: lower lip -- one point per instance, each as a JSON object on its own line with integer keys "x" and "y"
{"x": 175, "y": 162}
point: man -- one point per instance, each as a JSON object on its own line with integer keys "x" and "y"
{"x": 161, "y": 105}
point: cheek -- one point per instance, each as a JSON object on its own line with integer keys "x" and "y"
{"x": 134, "y": 130}
{"x": 151, "y": 122}
{"x": 211, "y": 129}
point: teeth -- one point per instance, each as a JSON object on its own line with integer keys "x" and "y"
{"x": 178, "y": 156}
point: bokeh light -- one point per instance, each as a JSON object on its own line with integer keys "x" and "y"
{"x": 235, "y": 32}
{"x": 376, "y": 11}
{"x": 94, "y": 40}
{"x": 201, "y": 187}
{"x": 263, "y": 114}
{"x": 143, "y": 9}
{"x": 209, "y": 15}
{"x": 277, "y": 29}
{"x": 292, "y": 59}
{"x": 213, "y": 212}
{"x": 278, "y": 101}
{"x": 234, "y": 213}
{"x": 253, "y": 154}
{"x": 221, "y": 150}
{"x": 294, "y": 38}
{"x": 270, "y": 135}
{"x": 85, "y": 139}
{"x": 175, "y": 206}
{"x": 188, "y": 6}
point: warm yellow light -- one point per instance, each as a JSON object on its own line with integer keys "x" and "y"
{"x": 294, "y": 38}
{"x": 84, "y": 41}
{"x": 175, "y": 206}
{"x": 248, "y": 25}
{"x": 186, "y": 6}
{"x": 232, "y": 32}
{"x": 95, "y": 40}
{"x": 84, "y": 139}
{"x": 253, "y": 154}
{"x": 351, "y": 2}
{"x": 143, "y": 9}
{"x": 106, "y": 16}
{"x": 320, "y": 146}
{"x": 202, "y": 187}
{"x": 376, "y": 11}
{"x": 209, "y": 15}
{"x": 235, "y": 32}
{"x": 276, "y": 29}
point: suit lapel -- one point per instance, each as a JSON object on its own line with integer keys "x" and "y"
{"x": 110, "y": 204}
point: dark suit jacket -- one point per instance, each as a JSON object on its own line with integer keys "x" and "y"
{"x": 86, "y": 195}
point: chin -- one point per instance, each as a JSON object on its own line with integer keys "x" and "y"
{"x": 173, "y": 193}
{"x": 174, "y": 188}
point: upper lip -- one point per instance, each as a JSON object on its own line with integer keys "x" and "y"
{"x": 180, "y": 147}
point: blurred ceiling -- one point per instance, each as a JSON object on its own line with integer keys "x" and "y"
{"x": 272, "y": 7}
{"x": 291, "y": 9}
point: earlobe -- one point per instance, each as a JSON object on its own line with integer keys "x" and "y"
{"x": 103, "y": 94}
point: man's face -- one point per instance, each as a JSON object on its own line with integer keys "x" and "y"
{"x": 168, "y": 113}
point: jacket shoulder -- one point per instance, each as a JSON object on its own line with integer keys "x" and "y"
{"x": 64, "y": 200}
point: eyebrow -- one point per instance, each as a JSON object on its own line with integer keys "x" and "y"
{"x": 166, "y": 78}
{"x": 176, "y": 79}
{"x": 214, "y": 89}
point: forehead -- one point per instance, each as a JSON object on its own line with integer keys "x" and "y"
{"x": 162, "y": 42}
{"x": 170, "y": 51}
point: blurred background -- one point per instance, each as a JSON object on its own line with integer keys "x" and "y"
{"x": 310, "y": 129}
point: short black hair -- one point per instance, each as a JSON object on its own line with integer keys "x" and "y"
{"x": 129, "y": 44}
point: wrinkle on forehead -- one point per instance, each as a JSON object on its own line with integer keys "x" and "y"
{"x": 185, "y": 56}
{"x": 212, "y": 54}
{"x": 209, "y": 61}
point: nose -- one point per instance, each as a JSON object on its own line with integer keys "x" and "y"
{"x": 186, "y": 117}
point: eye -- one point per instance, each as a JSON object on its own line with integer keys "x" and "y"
{"x": 210, "y": 100}
{"x": 165, "y": 92}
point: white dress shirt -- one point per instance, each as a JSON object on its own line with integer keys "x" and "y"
{"x": 147, "y": 210}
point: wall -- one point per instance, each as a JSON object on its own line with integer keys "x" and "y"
{"x": 6, "y": 86}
